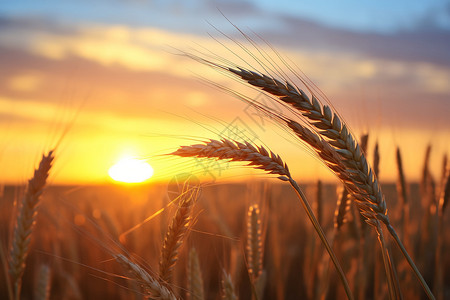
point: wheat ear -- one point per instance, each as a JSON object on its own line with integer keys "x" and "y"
{"x": 338, "y": 148}
{"x": 43, "y": 284}
{"x": 151, "y": 286}
{"x": 342, "y": 208}
{"x": 254, "y": 242}
{"x": 402, "y": 193}
{"x": 228, "y": 291}
{"x": 26, "y": 220}
{"x": 352, "y": 167}
{"x": 260, "y": 158}
{"x": 236, "y": 151}
{"x": 195, "y": 280}
{"x": 175, "y": 234}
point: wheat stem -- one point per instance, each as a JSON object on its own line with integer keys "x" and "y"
{"x": 386, "y": 261}
{"x": 410, "y": 261}
{"x": 322, "y": 236}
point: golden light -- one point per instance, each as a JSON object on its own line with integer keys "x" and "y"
{"x": 131, "y": 170}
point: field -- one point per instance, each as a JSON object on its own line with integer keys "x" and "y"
{"x": 77, "y": 233}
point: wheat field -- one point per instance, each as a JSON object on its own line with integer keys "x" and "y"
{"x": 265, "y": 238}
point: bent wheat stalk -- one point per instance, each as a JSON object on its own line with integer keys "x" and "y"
{"x": 25, "y": 222}
{"x": 335, "y": 145}
{"x": 262, "y": 159}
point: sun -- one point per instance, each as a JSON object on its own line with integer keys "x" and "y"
{"x": 131, "y": 170}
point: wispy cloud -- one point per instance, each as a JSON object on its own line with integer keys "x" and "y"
{"x": 132, "y": 83}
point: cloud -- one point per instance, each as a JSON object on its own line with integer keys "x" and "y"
{"x": 233, "y": 8}
{"x": 133, "y": 85}
{"x": 119, "y": 64}
{"x": 429, "y": 45}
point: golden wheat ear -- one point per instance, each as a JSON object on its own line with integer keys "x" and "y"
{"x": 330, "y": 138}
{"x": 258, "y": 157}
{"x": 28, "y": 209}
{"x": 176, "y": 232}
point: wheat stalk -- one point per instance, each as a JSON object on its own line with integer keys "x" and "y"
{"x": 25, "y": 222}
{"x": 443, "y": 201}
{"x": 151, "y": 286}
{"x": 403, "y": 198}
{"x": 260, "y": 158}
{"x": 175, "y": 234}
{"x": 195, "y": 280}
{"x": 337, "y": 147}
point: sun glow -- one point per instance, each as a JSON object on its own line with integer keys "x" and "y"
{"x": 131, "y": 170}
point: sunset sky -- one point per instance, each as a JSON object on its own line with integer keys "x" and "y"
{"x": 110, "y": 74}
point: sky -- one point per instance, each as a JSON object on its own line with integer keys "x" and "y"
{"x": 108, "y": 77}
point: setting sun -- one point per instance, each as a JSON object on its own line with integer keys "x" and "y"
{"x": 131, "y": 170}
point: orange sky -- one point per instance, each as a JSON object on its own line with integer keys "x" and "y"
{"x": 127, "y": 93}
